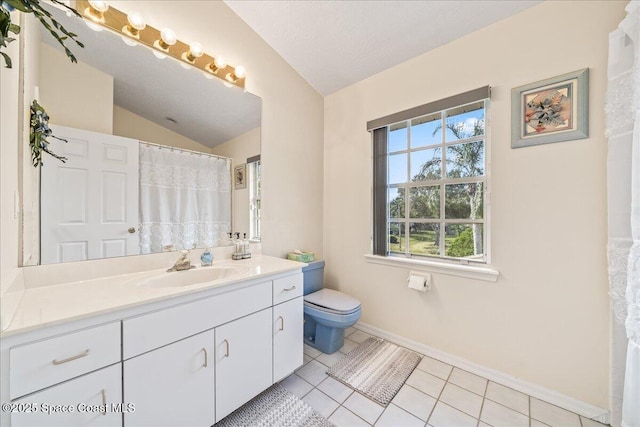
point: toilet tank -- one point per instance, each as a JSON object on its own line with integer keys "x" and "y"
{"x": 313, "y": 276}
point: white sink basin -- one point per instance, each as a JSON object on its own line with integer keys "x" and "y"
{"x": 195, "y": 276}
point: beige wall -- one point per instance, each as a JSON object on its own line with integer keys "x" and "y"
{"x": 75, "y": 95}
{"x": 546, "y": 319}
{"x": 239, "y": 149}
{"x": 126, "y": 123}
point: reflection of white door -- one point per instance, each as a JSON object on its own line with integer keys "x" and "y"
{"x": 89, "y": 205}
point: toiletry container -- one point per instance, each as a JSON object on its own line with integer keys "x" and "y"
{"x": 327, "y": 313}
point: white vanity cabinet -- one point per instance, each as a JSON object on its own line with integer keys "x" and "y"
{"x": 92, "y": 400}
{"x": 288, "y": 325}
{"x": 173, "y": 385}
{"x": 185, "y": 360}
{"x": 243, "y": 361}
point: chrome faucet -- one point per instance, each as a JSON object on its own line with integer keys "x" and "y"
{"x": 183, "y": 263}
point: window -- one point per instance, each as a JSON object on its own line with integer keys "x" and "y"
{"x": 430, "y": 180}
{"x": 255, "y": 196}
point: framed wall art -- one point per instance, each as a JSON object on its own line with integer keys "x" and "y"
{"x": 552, "y": 110}
{"x": 240, "y": 176}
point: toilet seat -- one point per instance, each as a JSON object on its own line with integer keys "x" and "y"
{"x": 332, "y": 301}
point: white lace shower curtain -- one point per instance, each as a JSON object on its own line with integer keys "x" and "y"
{"x": 185, "y": 199}
{"x": 623, "y": 171}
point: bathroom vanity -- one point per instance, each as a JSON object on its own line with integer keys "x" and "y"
{"x": 151, "y": 347}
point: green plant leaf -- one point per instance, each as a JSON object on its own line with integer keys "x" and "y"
{"x": 7, "y": 60}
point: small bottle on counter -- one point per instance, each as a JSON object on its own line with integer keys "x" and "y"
{"x": 237, "y": 248}
{"x": 206, "y": 259}
{"x": 246, "y": 252}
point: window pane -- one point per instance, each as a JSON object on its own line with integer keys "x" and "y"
{"x": 426, "y": 131}
{"x": 424, "y": 202}
{"x": 465, "y": 160}
{"x": 424, "y": 239}
{"x": 397, "y": 169}
{"x": 396, "y": 237}
{"x": 464, "y": 241}
{"x": 398, "y": 137}
{"x": 464, "y": 201}
{"x": 426, "y": 164}
{"x": 395, "y": 202}
{"x": 465, "y": 122}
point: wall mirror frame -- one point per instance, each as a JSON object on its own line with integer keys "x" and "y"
{"x": 121, "y": 91}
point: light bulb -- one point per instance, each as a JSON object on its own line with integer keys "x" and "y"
{"x": 240, "y": 71}
{"x": 167, "y": 39}
{"x": 136, "y": 21}
{"x": 196, "y": 49}
{"x": 100, "y": 6}
{"x": 220, "y": 62}
{"x": 168, "y": 36}
{"x": 159, "y": 55}
{"x": 195, "y": 52}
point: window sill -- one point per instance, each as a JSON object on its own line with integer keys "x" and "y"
{"x": 485, "y": 273}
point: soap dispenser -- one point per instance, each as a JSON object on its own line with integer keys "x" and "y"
{"x": 246, "y": 250}
{"x": 237, "y": 248}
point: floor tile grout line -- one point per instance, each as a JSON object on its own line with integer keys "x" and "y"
{"x": 484, "y": 398}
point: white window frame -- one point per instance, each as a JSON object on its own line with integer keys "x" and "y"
{"x": 462, "y": 267}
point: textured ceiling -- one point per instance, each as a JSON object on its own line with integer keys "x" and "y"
{"x": 333, "y": 44}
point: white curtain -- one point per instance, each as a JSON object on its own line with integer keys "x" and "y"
{"x": 623, "y": 176}
{"x": 185, "y": 199}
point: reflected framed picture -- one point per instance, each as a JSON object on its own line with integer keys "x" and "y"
{"x": 552, "y": 110}
{"x": 240, "y": 176}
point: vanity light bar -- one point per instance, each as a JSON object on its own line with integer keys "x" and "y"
{"x": 115, "y": 20}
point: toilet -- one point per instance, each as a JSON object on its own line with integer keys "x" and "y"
{"x": 327, "y": 313}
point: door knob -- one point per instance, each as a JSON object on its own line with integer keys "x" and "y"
{"x": 131, "y": 230}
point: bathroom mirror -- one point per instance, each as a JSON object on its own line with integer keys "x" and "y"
{"x": 116, "y": 95}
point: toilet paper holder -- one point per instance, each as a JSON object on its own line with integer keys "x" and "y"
{"x": 420, "y": 281}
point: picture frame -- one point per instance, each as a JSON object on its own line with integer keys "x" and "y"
{"x": 551, "y": 110}
{"x": 240, "y": 176}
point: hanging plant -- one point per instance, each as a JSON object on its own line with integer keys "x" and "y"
{"x": 46, "y": 19}
{"x": 39, "y": 132}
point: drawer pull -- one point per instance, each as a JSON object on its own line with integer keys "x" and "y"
{"x": 289, "y": 289}
{"x": 206, "y": 358}
{"x": 227, "y": 352}
{"x": 104, "y": 402}
{"x": 69, "y": 359}
{"x": 281, "y": 327}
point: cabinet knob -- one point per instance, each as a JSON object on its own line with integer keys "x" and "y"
{"x": 226, "y": 354}
{"x": 206, "y": 358}
{"x": 282, "y": 325}
{"x": 131, "y": 230}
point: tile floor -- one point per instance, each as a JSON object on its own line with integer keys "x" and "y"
{"x": 436, "y": 394}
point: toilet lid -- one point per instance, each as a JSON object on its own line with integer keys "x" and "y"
{"x": 333, "y": 300}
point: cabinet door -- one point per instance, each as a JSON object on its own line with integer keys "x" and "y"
{"x": 243, "y": 361}
{"x": 173, "y": 385}
{"x": 288, "y": 322}
{"x": 90, "y": 400}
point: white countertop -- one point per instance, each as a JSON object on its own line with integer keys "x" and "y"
{"x": 54, "y": 304}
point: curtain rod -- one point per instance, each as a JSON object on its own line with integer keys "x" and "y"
{"x": 184, "y": 150}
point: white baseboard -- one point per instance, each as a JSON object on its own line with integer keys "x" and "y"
{"x": 585, "y": 409}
